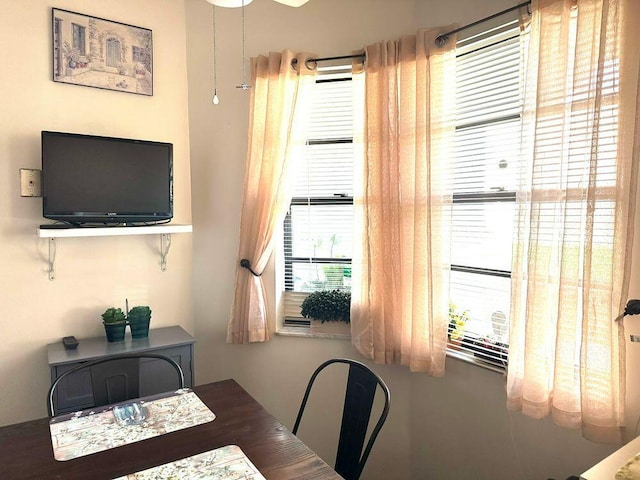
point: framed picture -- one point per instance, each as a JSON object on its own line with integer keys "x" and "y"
{"x": 100, "y": 53}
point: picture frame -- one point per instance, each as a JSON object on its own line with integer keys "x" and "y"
{"x": 100, "y": 53}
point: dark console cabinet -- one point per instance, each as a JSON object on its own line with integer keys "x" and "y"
{"x": 74, "y": 392}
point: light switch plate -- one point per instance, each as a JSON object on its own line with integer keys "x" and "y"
{"x": 30, "y": 183}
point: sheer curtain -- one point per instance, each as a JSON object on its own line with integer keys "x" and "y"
{"x": 575, "y": 214}
{"x": 402, "y": 203}
{"x": 277, "y": 132}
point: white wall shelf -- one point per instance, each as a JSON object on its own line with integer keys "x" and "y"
{"x": 113, "y": 231}
{"x": 164, "y": 231}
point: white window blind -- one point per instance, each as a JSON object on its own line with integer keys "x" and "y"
{"x": 318, "y": 226}
{"x": 487, "y": 142}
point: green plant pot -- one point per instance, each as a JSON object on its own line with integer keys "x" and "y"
{"x": 140, "y": 328}
{"x": 115, "y": 331}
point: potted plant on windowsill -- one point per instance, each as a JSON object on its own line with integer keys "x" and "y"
{"x": 138, "y": 318}
{"x": 115, "y": 323}
{"x": 457, "y": 322}
{"x": 490, "y": 350}
{"x": 329, "y": 311}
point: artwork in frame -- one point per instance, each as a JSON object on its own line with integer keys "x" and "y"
{"x": 101, "y": 53}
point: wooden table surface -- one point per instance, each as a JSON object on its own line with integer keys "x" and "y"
{"x": 26, "y": 451}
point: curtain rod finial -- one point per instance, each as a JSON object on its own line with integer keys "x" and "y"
{"x": 441, "y": 40}
{"x": 632, "y": 308}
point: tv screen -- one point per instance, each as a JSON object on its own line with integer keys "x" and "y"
{"x": 92, "y": 179}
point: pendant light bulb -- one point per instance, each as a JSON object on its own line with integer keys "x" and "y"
{"x": 215, "y": 100}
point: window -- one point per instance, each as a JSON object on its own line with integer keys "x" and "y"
{"x": 79, "y": 38}
{"x": 318, "y": 226}
{"x": 485, "y": 166}
{"x": 114, "y": 52}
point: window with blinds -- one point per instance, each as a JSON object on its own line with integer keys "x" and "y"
{"x": 318, "y": 226}
{"x": 487, "y": 139}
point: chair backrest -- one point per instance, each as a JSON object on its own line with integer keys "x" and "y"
{"x": 361, "y": 388}
{"x": 113, "y": 379}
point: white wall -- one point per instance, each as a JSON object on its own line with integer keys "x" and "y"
{"x": 453, "y": 427}
{"x": 92, "y": 273}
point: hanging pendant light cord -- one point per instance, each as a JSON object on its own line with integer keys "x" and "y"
{"x": 215, "y": 59}
{"x": 244, "y": 84}
{"x": 215, "y": 56}
{"x": 244, "y": 68}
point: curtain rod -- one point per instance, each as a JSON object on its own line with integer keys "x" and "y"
{"x": 327, "y": 59}
{"x": 342, "y": 57}
{"x": 442, "y": 39}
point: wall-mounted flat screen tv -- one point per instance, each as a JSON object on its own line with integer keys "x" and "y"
{"x": 91, "y": 179}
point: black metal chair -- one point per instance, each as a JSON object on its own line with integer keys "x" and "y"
{"x": 362, "y": 385}
{"x": 113, "y": 379}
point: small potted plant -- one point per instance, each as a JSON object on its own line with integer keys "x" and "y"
{"x": 115, "y": 323}
{"x": 329, "y": 311}
{"x": 490, "y": 350}
{"x": 139, "y": 318}
{"x": 457, "y": 322}
{"x": 139, "y": 70}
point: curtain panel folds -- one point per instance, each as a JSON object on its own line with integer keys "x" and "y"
{"x": 280, "y": 96}
{"x": 575, "y": 214}
{"x": 402, "y": 203}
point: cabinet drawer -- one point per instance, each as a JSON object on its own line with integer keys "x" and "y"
{"x": 74, "y": 392}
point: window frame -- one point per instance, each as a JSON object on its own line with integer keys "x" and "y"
{"x": 291, "y": 297}
{"x": 79, "y": 36}
{"x": 472, "y": 348}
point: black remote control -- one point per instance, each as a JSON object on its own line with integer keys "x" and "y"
{"x": 70, "y": 343}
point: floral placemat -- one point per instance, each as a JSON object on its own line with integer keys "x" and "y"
{"x": 630, "y": 470}
{"x": 225, "y": 463}
{"x": 90, "y": 431}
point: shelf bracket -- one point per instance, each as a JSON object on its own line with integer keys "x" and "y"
{"x": 52, "y": 258}
{"x": 164, "y": 231}
{"x": 165, "y": 244}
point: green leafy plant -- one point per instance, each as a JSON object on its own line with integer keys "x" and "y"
{"x": 139, "y": 313}
{"x": 328, "y": 306}
{"x": 457, "y": 322}
{"x": 113, "y": 315}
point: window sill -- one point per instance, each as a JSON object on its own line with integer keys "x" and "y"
{"x": 306, "y": 332}
{"x": 465, "y": 357}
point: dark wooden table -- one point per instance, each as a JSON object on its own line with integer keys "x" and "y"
{"x": 26, "y": 451}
